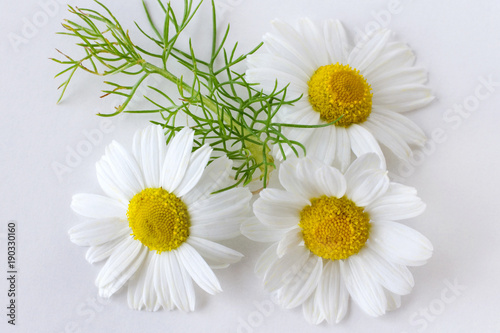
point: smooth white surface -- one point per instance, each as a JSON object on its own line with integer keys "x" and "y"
{"x": 457, "y": 41}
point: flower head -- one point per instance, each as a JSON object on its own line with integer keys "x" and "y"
{"x": 159, "y": 222}
{"x": 365, "y": 88}
{"x": 336, "y": 237}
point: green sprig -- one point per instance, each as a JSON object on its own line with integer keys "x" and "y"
{"x": 228, "y": 113}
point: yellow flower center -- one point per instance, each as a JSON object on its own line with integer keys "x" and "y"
{"x": 334, "y": 228}
{"x": 339, "y": 90}
{"x": 158, "y": 219}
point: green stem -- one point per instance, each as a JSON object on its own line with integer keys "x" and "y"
{"x": 259, "y": 154}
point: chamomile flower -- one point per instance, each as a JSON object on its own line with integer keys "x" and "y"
{"x": 336, "y": 238}
{"x": 367, "y": 86}
{"x": 159, "y": 223}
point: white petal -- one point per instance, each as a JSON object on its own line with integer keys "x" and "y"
{"x": 149, "y": 148}
{"x": 278, "y": 63}
{"x": 160, "y": 281}
{"x": 286, "y": 268}
{"x": 403, "y": 97}
{"x": 322, "y": 144}
{"x": 298, "y": 176}
{"x": 141, "y": 292}
{"x": 213, "y": 251}
{"x": 289, "y": 46}
{"x": 100, "y": 252}
{"x": 342, "y": 150}
{"x": 364, "y": 290}
{"x": 312, "y": 311}
{"x": 331, "y": 182}
{"x": 197, "y": 164}
{"x": 395, "y": 55}
{"x": 400, "y": 124}
{"x": 399, "y": 202}
{"x": 363, "y": 142}
{"x": 271, "y": 79}
{"x": 112, "y": 186}
{"x": 314, "y": 41}
{"x": 303, "y": 284}
{"x": 214, "y": 177}
{"x": 395, "y": 278}
{"x": 198, "y": 269}
{"x": 366, "y": 51}
{"x": 124, "y": 167}
{"x": 332, "y": 293}
{"x": 266, "y": 260}
{"x": 336, "y": 41}
{"x": 121, "y": 265}
{"x": 177, "y": 159}
{"x": 180, "y": 284}
{"x": 399, "y": 243}
{"x": 386, "y": 136}
{"x": 98, "y": 206}
{"x": 393, "y": 300}
{"x": 364, "y": 186}
{"x": 98, "y": 232}
{"x": 290, "y": 241}
{"x": 253, "y": 229}
{"x": 220, "y": 216}
{"x": 398, "y": 76}
{"x": 278, "y": 208}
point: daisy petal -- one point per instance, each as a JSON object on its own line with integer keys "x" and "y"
{"x": 362, "y": 142}
{"x": 336, "y": 41}
{"x": 297, "y": 176}
{"x": 97, "y": 206}
{"x": 141, "y": 293}
{"x": 303, "y": 284}
{"x": 266, "y": 260}
{"x": 197, "y": 164}
{"x": 403, "y": 97}
{"x": 367, "y": 50}
{"x": 213, "y": 251}
{"x": 395, "y": 278}
{"x": 125, "y": 167}
{"x": 180, "y": 284}
{"x": 198, "y": 269}
{"x": 253, "y": 229}
{"x": 290, "y": 241}
{"x": 121, "y": 265}
{"x": 98, "y": 232}
{"x": 401, "y": 125}
{"x": 278, "y": 208}
{"x": 177, "y": 159}
{"x": 311, "y": 310}
{"x": 326, "y": 150}
{"x": 160, "y": 282}
{"x": 395, "y": 55}
{"x": 100, "y": 252}
{"x": 286, "y": 268}
{"x": 399, "y": 202}
{"x": 214, "y": 177}
{"x": 399, "y": 244}
{"x": 342, "y": 150}
{"x": 149, "y": 148}
{"x": 387, "y": 137}
{"x": 332, "y": 293}
{"x": 364, "y": 290}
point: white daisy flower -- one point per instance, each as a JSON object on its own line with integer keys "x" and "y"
{"x": 368, "y": 85}
{"x": 159, "y": 223}
{"x": 336, "y": 237}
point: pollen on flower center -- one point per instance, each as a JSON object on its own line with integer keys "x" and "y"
{"x": 158, "y": 219}
{"x": 339, "y": 90}
{"x": 334, "y": 228}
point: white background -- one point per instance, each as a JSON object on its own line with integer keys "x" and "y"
{"x": 457, "y": 175}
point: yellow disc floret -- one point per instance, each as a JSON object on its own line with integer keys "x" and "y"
{"x": 340, "y": 91}
{"x": 158, "y": 219}
{"x": 334, "y": 228}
